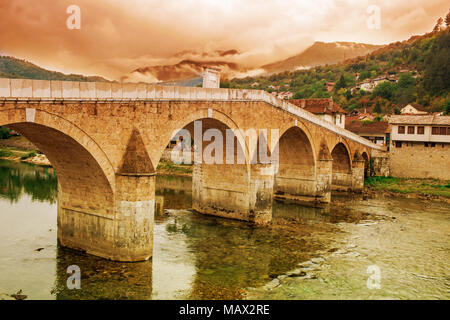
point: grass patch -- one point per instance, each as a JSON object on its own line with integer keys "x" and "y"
{"x": 28, "y": 155}
{"x": 5, "y": 153}
{"x": 433, "y": 187}
{"x": 170, "y": 167}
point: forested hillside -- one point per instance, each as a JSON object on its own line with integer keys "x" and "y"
{"x": 11, "y": 67}
{"x": 419, "y": 69}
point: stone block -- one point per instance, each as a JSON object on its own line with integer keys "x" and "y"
{"x": 5, "y": 88}
{"x": 21, "y": 88}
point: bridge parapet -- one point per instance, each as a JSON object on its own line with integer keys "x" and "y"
{"x": 27, "y": 89}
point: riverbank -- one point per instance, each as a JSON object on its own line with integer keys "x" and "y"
{"x": 425, "y": 189}
{"x": 28, "y": 156}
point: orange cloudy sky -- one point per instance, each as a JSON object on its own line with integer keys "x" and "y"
{"x": 118, "y": 36}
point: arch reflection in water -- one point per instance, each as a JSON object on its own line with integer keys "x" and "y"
{"x": 195, "y": 256}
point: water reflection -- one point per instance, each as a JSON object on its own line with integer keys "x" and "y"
{"x": 38, "y": 182}
{"x": 195, "y": 256}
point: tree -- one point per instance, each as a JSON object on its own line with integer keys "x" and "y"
{"x": 438, "y": 26}
{"x": 385, "y": 90}
{"x": 341, "y": 83}
{"x": 377, "y": 108}
{"x": 446, "y": 108}
{"x": 406, "y": 80}
{"x": 447, "y": 19}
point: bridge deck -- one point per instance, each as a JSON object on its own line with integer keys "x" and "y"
{"x": 49, "y": 90}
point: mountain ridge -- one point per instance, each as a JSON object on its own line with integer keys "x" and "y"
{"x": 322, "y": 53}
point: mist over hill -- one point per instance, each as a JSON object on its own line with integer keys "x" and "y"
{"x": 321, "y": 53}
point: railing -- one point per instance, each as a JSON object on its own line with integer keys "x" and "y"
{"x": 44, "y": 90}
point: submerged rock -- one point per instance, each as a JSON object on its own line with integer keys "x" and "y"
{"x": 317, "y": 260}
{"x": 18, "y": 295}
{"x": 272, "y": 284}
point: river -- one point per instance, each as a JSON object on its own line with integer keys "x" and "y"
{"x": 356, "y": 248}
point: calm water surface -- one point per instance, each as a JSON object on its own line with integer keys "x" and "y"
{"x": 202, "y": 257}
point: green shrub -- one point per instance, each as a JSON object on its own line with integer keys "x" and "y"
{"x": 28, "y": 155}
{"x": 4, "y": 133}
{"x": 5, "y": 153}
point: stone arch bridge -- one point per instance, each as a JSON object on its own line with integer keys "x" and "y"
{"x": 105, "y": 141}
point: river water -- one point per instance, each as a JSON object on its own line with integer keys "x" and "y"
{"x": 356, "y": 248}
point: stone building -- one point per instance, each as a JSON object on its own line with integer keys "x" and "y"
{"x": 211, "y": 78}
{"x": 324, "y": 108}
{"x": 420, "y": 146}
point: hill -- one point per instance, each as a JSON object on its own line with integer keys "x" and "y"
{"x": 11, "y": 67}
{"x": 321, "y": 53}
{"x": 418, "y": 70}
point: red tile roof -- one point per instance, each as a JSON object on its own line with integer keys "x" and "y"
{"x": 366, "y": 127}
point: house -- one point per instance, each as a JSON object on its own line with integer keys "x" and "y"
{"x": 285, "y": 95}
{"x": 365, "y": 85}
{"x": 369, "y": 85}
{"x": 379, "y": 80}
{"x": 330, "y": 86}
{"x": 376, "y": 131}
{"x": 324, "y": 108}
{"x": 420, "y": 146}
{"x": 413, "y": 108}
{"x": 254, "y": 84}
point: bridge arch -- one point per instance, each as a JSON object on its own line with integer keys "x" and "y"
{"x": 86, "y": 181}
{"x": 366, "y": 159}
{"x": 186, "y": 121}
{"x": 18, "y": 120}
{"x": 342, "y": 166}
{"x": 222, "y": 188}
{"x": 295, "y": 170}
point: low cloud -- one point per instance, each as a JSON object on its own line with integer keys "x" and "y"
{"x": 120, "y": 36}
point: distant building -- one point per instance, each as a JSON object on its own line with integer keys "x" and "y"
{"x": 420, "y": 146}
{"x": 286, "y": 95}
{"x": 370, "y": 84}
{"x": 330, "y": 86}
{"x": 211, "y": 78}
{"x": 324, "y": 108}
{"x": 413, "y": 108}
{"x": 376, "y": 131}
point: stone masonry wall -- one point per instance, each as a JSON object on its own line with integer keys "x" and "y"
{"x": 414, "y": 160}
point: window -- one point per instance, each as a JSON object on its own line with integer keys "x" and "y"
{"x": 440, "y": 131}
{"x": 420, "y": 130}
{"x": 411, "y": 130}
{"x": 398, "y": 144}
{"x": 401, "y": 129}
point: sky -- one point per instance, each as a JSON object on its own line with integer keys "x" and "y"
{"x": 118, "y": 36}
